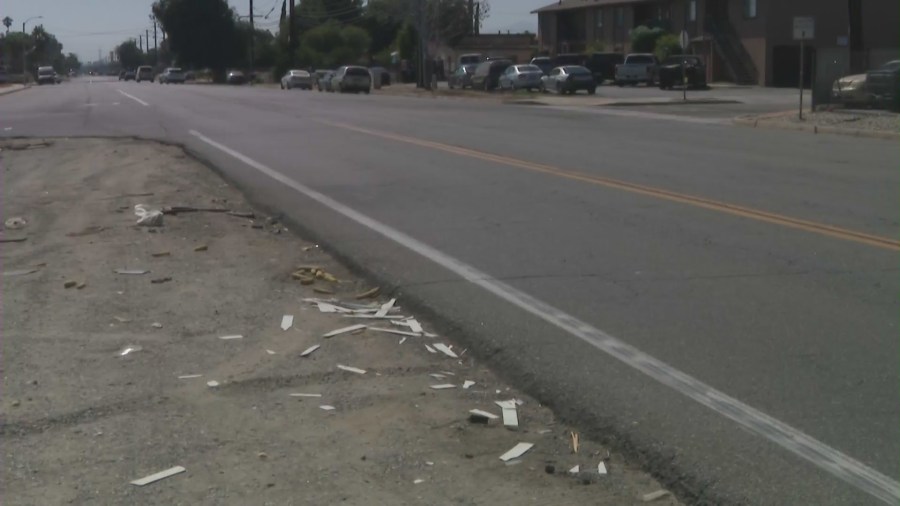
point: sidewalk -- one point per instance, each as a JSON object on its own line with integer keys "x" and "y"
{"x": 6, "y": 89}
{"x": 130, "y": 350}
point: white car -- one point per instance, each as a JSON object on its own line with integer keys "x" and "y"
{"x": 171, "y": 75}
{"x": 352, "y": 79}
{"x": 637, "y": 68}
{"x": 297, "y": 79}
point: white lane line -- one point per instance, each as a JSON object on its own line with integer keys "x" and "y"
{"x": 132, "y": 97}
{"x": 819, "y": 454}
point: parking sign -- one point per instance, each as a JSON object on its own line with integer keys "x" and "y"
{"x": 804, "y": 28}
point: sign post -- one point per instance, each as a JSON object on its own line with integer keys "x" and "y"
{"x": 685, "y": 42}
{"x": 804, "y": 29}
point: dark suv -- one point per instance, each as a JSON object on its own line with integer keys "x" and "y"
{"x": 487, "y": 74}
{"x": 603, "y": 65}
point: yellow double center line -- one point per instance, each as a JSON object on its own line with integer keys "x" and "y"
{"x": 659, "y": 193}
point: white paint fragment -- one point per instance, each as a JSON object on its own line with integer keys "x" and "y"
{"x": 444, "y": 386}
{"x": 230, "y": 338}
{"x": 516, "y": 451}
{"x": 212, "y": 383}
{"x": 351, "y": 328}
{"x": 287, "y": 321}
{"x": 430, "y": 349}
{"x": 189, "y": 376}
{"x": 467, "y": 384}
{"x": 485, "y": 414}
{"x": 270, "y": 352}
{"x": 385, "y": 308}
{"x": 326, "y": 407}
{"x": 418, "y": 480}
{"x": 601, "y": 469}
{"x": 575, "y": 470}
{"x": 438, "y": 376}
{"x": 414, "y": 325}
{"x": 443, "y": 348}
{"x": 351, "y": 369}
{"x": 305, "y": 395}
{"x": 309, "y": 351}
{"x": 393, "y": 331}
{"x": 172, "y": 471}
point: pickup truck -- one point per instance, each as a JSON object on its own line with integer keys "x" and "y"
{"x": 637, "y": 68}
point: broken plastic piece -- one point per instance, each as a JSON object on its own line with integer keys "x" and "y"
{"x": 652, "y": 496}
{"x": 287, "y": 321}
{"x": 516, "y": 451}
{"x": 467, "y": 384}
{"x": 305, "y": 395}
{"x": 601, "y": 469}
{"x": 510, "y": 416}
{"x": 574, "y": 436}
{"x": 430, "y": 349}
{"x": 483, "y": 414}
{"x": 575, "y": 470}
{"x": 159, "y": 476}
{"x": 132, "y": 272}
{"x": 418, "y": 480}
{"x": 189, "y": 376}
{"x": 443, "y": 348}
{"x": 15, "y": 222}
{"x": 326, "y": 407}
{"x": 402, "y": 340}
{"x": 414, "y": 325}
{"x": 156, "y": 325}
{"x": 438, "y": 376}
{"x": 307, "y": 352}
{"x": 392, "y": 331}
{"x": 229, "y": 338}
{"x": 385, "y": 308}
{"x": 444, "y": 386}
{"x": 128, "y": 350}
{"x": 271, "y": 352}
{"x": 148, "y": 218}
{"x": 344, "y": 330}
{"x": 351, "y": 369}
{"x": 212, "y": 383}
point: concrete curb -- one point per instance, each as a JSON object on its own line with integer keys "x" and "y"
{"x": 763, "y": 122}
{"x": 7, "y": 91}
{"x": 702, "y": 101}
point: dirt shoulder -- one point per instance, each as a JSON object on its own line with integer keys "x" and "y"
{"x": 82, "y": 418}
{"x": 873, "y": 124}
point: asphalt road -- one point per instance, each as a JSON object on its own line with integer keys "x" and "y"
{"x": 749, "y": 277}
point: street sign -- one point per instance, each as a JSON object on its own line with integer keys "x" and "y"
{"x": 804, "y": 28}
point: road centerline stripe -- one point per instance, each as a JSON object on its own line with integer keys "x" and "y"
{"x": 649, "y": 191}
{"x": 132, "y": 97}
{"x": 793, "y": 440}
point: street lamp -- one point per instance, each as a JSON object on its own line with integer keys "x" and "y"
{"x": 24, "y": 50}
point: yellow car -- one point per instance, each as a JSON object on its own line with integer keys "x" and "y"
{"x": 851, "y": 90}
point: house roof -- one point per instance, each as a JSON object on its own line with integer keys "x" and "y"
{"x": 567, "y": 5}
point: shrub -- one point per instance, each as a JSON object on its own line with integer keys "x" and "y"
{"x": 643, "y": 39}
{"x": 667, "y": 45}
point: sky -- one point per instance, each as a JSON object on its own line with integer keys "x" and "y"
{"x": 87, "y": 26}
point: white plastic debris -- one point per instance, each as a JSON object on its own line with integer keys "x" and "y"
{"x": 438, "y": 376}
{"x": 212, "y": 383}
{"x": 148, "y": 218}
{"x": 393, "y": 331}
{"x": 351, "y": 369}
{"x": 132, "y": 272}
{"x": 156, "y": 325}
{"x": 402, "y": 340}
{"x": 271, "y": 352}
{"x": 575, "y": 470}
{"x": 652, "y": 496}
{"x": 414, "y": 325}
{"x": 305, "y": 395}
{"x": 351, "y": 328}
{"x": 443, "y": 348}
{"x": 231, "y": 338}
{"x": 287, "y": 321}
{"x": 189, "y": 376}
{"x": 309, "y": 351}
{"x": 430, "y": 349}
{"x": 19, "y": 272}
{"x": 326, "y": 307}
{"x": 15, "y": 222}
{"x": 601, "y": 469}
{"x": 444, "y": 386}
{"x": 385, "y": 308}
{"x": 326, "y": 407}
{"x": 516, "y": 451}
{"x": 418, "y": 480}
{"x": 172, "y": 471}
{"x": 510, "y": 416}
{"x": 128, "y": 350}
{"x": 484, "y": 414}
{"x": 467, "y": 384}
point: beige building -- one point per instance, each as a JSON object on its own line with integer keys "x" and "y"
{"x": 746, "y": 41}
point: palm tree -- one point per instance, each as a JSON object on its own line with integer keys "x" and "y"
{"x": 7, "y": 22}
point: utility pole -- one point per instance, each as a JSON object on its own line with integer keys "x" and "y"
{"x": 147, "y": 39}
{"x": 420, "y": 52}
{"x": 155, "y": 47}
{"x": 252, "y": 37}
{"x": 140, "y": 43}
{"x": 291, "y": 33}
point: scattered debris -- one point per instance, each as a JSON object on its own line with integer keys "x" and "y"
{"x": 159, "y": 476}
{"x": 652, "y": 496}
{"x": 229, "y": 338}
{"x": 13, "y": 239}
{"x": 15, "y": 223}
{"x": 271, "y": 352}
{"x": 159, "y": 281}
{"x": 368, "y": 293}
{"x": 601, "y": 469}
{"x": 81, "y": 286}
{"x": 510, "y": 416}
{"x": 344, "y": 330}
{"x": 575, "y": 470}
{"x": 414, "y": 325}
{"x": 324, "y": 291}
{"x": 173, "y": 210}
{"x": 132, "y": 272}
{"x": 438, "y": 376}
{"x": 160, "y": 254}
{"x": 241, "y": 214}
{"x": 402, "y": 340}
{"x": 70, "y": 284}
{"x": 574, "y": 436}
{"x": 351, "y": 369}
{"x": 200, "y": 248}
{"x": 392, "y": 331}
{"x": 479, "y": 416}
{"x": 87, "y": 231}
{"x": 128, "y": 350}
{"x": 443, "y": 348}
{"x": 287, "y": 321}
{"x": 212, "y": 384}
{"x": 148, "y": 218}
{"x": 190, "y": 376}
{"x": 444, "y": 386}
{"x": 418, "y": 481}
{"x": 430, "y": 349}
{"x": 373, "y": 316}
{"x": 20, "y": 272}
{"x": 309, "y": 351}
{"x": 156, "y": 325}
{"x": 467, "y": 384}
{"x": 326, "y": 407}
{"x": 305, "y": 395}
{"x": 385, "y": 308}
{"x": 325, "y": 307}
{"x": 516, "y": 451}
{"x": 120, "y": 319}
{"x": 262, "y": 455}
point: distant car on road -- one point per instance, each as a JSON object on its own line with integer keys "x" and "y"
{"x": 326, "y": 81}
{"x": 637, "y": 68}
{"x": 521, "y": 77}
{"x": 296, "y": 79}
{"x": 46, "y": 75}
{"x": 235, "y": 77}
{"x": 352, "y": 79}
{"x": 569, "y": 79}
{"x": 171, "y": 75}
{"x": 487, "y": 74}
{"x": 669, "y": 72}
{"x": 144, "y": 73}
{"x": 461, "y": 77}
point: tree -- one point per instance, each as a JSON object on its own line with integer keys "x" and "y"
{"x": 667, "y": 45}
{"x": 407, "y": 40}
{"x": 71, "y": 62}
{"x": 130, "y": 56}
{"x": 643, "y": 38}
{"x": 450, "y": 20}
{"x": 200, "y": 33}
{"x": 7, "y": 22}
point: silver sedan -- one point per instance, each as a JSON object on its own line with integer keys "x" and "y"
{"x": 296, "y": 79}
{"x": 521, "y": 77}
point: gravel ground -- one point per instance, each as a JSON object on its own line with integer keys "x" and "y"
{"x": 81, "y": 418}
{"x": 834, "y": 121}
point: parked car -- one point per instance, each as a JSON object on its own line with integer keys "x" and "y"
{"x": 462, "y": 76}
{"x": 144, "y": 73}
{"x": 637, "y": 68}
{"x": 352, "y": 79}
{"x": 569, "y": 79}
{"x": 383, "y": 74}
{"x": 171, "y": 75}
{"x": 669, "y": 72}
{"x": 296, "y": 79}
{"x": 566, "y": 59}
{"x": 129, "y": 75}
{"x": 882, "y": 84}
{"x": 57, "y": 78}
{"x": 520, "y": 77}
{"x": 46, "y": 75}
{"x": 469, "y": 59}
{"x": 545, "y": 63}
{"x": 235, "y": 77}
{"x": 487, "y": 74}
{"x": 603, "y": 65}
{"x": 190, "y": 75}
{"x": 325, "y": 82}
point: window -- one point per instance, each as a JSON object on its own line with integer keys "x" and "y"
{"x": 692, "y": 10}
{"x": 750, "y": 8}
{"x": 620, "y": 16}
